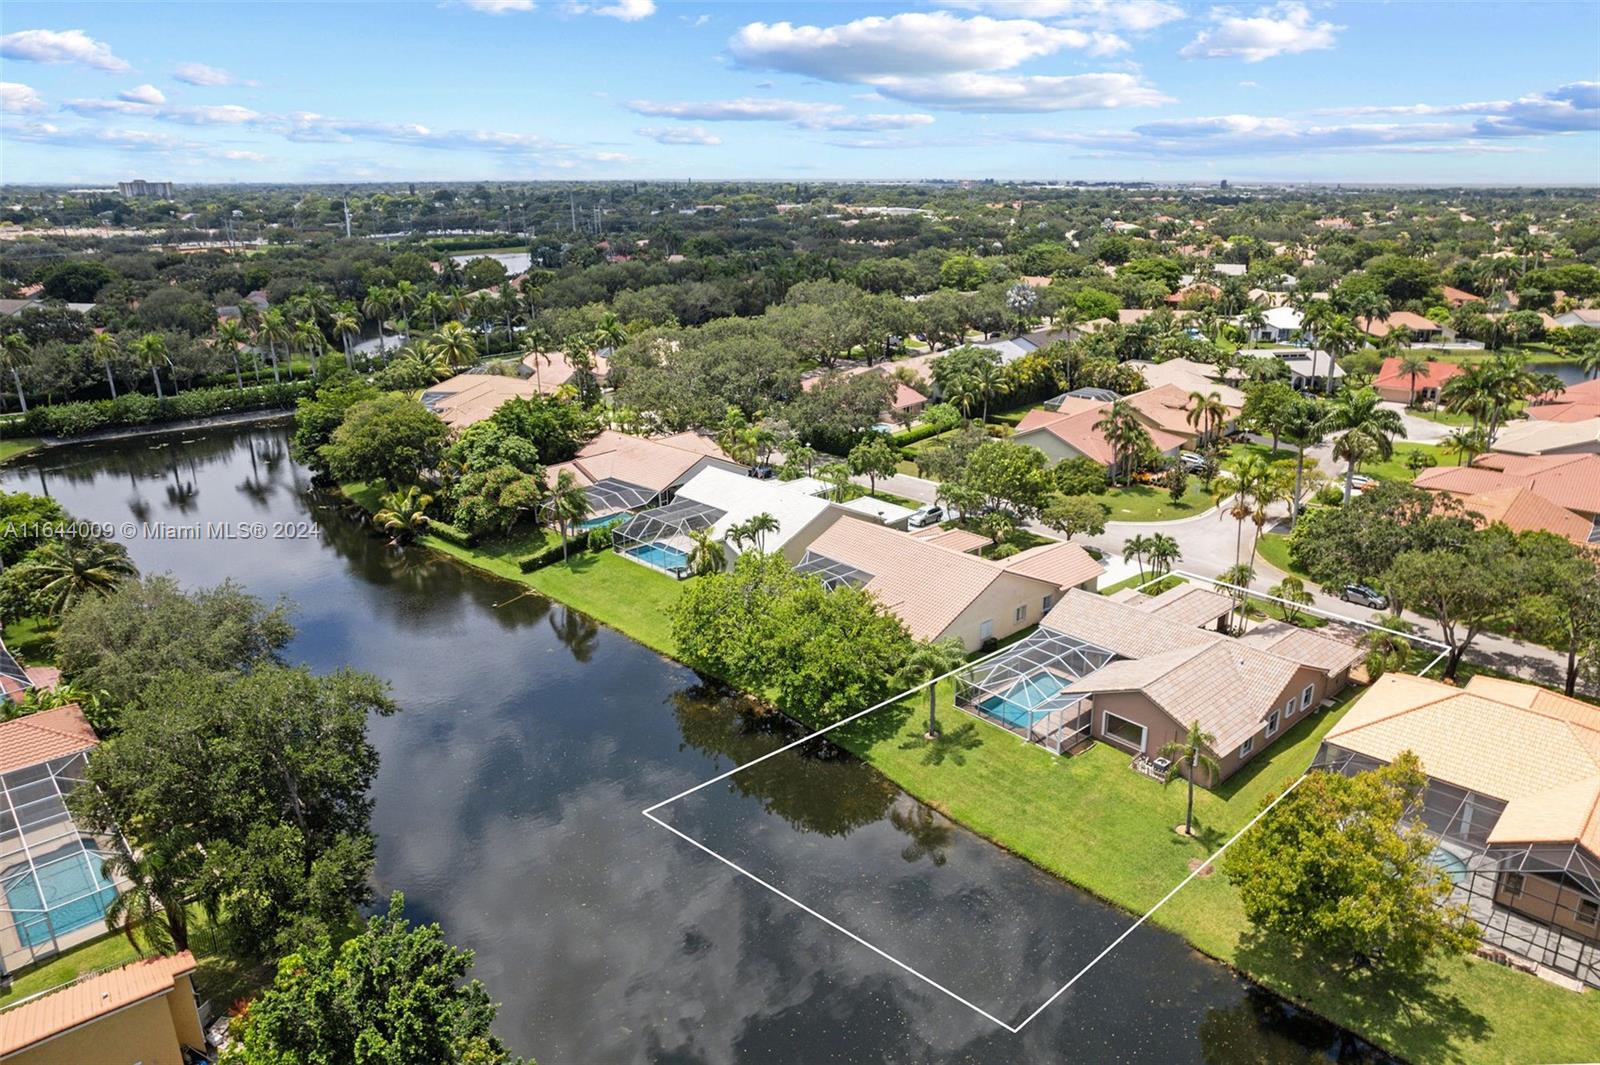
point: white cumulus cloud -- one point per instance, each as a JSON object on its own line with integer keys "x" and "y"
{"x": 143, "y": 94}
{"x": 1012, "y": 93}
{"x": 681, "y": 135}
{"x": 500, "y": 7}
{"x": 61, "y": 46}
{"x": 201, "y": 74}
{"x": 19, "y": 99}
{"x": 1285, "y": 28}
{"x": 1135, "y": 16}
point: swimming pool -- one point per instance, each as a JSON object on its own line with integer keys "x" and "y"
{"x": 1015, "y": 705}
{"x": 1450, "y": 864}
{"x": 595, "y": 523}
{"x": 661, "y": 556}
{"x": 75, "y": 895}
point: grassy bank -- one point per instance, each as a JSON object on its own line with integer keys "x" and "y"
{"x": 10, "y": 449}
{"x": 1094, "y": 823}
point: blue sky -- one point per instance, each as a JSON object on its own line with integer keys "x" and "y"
{"x": 543, "y": 89}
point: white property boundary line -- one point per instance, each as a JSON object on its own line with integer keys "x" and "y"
{"x": 1209, "y": 862}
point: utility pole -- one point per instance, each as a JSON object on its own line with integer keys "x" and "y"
{"x": 347, "y": 216}
{"x": 573, "y": 204}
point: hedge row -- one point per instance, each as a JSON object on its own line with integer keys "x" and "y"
{"x": 450, "y": 534}
{"x": 921, "y": 432}
{"x": 136, "y": 408}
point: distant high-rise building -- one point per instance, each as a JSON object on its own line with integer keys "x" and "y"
{"x": 1224, "y": 183}
{"x": 141, "y": 189}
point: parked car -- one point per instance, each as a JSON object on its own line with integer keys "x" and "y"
{"x": 1361, "y": 595}
{"x": 761, "y": 473}
{"x": 1192, "y": 461}
{"x": 1362, "y": 483}
{"x": 932, "y": 515}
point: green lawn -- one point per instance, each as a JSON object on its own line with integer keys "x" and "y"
{"x": 1164, "y": 584}
{"x": 1274, "y": 548}
{"x": 1146, "y": 503}
{"x": 1394, "y": 468}
{"x": 1035, "y": 805}
{"x": 32, "y": 639}
{"x": 10, "y": 449}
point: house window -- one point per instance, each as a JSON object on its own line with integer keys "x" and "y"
{"x": 1044, "y": 607}
{"x": 1272, "y": 723}
{"x": 1588, "y": 911}
{"x": 1247, "y": 746}
{"x": 986, "y": 629}
{"x": 1513, "y": 884}
{"x": 1288, "y": 708}
{"x": 1120, "y": 728}
{"x": 1307, "y": 695}
{"x": 1022, "y": 612}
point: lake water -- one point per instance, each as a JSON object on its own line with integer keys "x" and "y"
{"x": 515, "y": 262}
{"x": 508, "y": 809}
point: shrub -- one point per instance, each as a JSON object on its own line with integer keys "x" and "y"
{"x": 136, "y": 408}
{"x": 450, "y": 534}
{"x": 541, "y": 558}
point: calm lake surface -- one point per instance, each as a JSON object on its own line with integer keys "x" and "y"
{"x": 508, "y": 810}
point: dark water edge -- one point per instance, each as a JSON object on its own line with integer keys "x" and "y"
{"x": 508, "y": 809}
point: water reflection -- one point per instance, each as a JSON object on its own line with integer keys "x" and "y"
{"x": 508, "y": 800}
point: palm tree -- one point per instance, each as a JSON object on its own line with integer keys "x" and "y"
{"x": 309, "y": 337}
{"x": 568, "y": 504}
{"x": 404, "y": 514}
{"x": 151, "y": 351}
{"x": 1338, "y": 337}
{"x": 962, "y": 392}
{"x": 435, "y": 307}
{"x": 1192, "y": 749}
{"x": 925, "y": 663}
{"x": 1413, "y": 363}
{"x": 1127, "y": 436}
{"x": 73, "y": 570}
{"x": 104, "y": 347}
{"x": 837, "y": 475}
{"x": 705, "y": 553}
{"x": 455, "y": 344}
{"x": 230, "y": 334}
{"x": 276, "y": 329}
{"x": 758, "y": 527}
{"x": 1589, "y": 360}
{"x": 1369, "y": 428}
{"x": 990, "y": 381}
{"x": 1134, "y": 549}
{"x": 13, "y": 352}
{"x": 152, "y": 903}
{"x": 405, "y": 296}
{"x": 1238, "y": 578}
{"x": 346, "y": 325}
{"x": 1465, "y": 444}
{"x": 378, "y": 305}
{"x": 1238, "y": 489}
{"x": 1162, "y": 551}
{"x": 1301, "y": 425}
{"x": 1387, "y": 651}
{"x": 1271, "y": 488}
{"x": 1207, "y": 413}
{"x": 1292, "y": 590}
{"x": 610, "y": 332}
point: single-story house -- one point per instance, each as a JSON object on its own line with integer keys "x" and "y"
{"x": 714, "y": 501}
{"x": 1069, "y": 432}
{"x": 1575, "y": 403}
{"x": 1309, "y": 369}
{"x": 940, "y": 592}
{"x": 1134, "y": 674}
{"x": 906, "y": 402}
{"x": 1550, "y": 437}
{"x": 1190, "y": 376}
{"x": 554, "y": 369}
{"x": 1282, "y": 326}
{"x": 1396, "y": 386}
{"x": 622, "y": 473}
{"x": 1571, "y": 482}
{"x": 1580, "y": 316}
{"x": 1456, "y": 297}
{"x": 53, "y": 888}
{"x": 469, "y": 398}
{"x": 1166, "y": 409}
{"x": 965, "y": 541}
{"x": 1513, "y": 800}
{"x": 1423, "y": 331}
{"x": 144, "y": 1012}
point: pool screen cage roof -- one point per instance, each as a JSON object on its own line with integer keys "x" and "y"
{"x": 834, "y": 574}
{"x": 1024, "y": 688}
{"x": 1533, "y": 900}
{"x": 53, "y": 887}
{"x": 611, "y": 496}
{"x": 670, "y": 524}
{"x": 11, "y": 670}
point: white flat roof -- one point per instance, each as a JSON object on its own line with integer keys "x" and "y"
{"x": 878, "y": 509}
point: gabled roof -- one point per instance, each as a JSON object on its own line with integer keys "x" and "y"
{"x": 1523, "y": 509}
{"x": 1304, "y": 646}
{"x": 57, "y": 1012}
{"x": 1074, "y": 425}
{"x": 1382, "y": 327}
{"x": 1455, "y": 297}
{"x": 43, "y": 737}
{"x": 1437, "y": 373}
{"x": 1186, "y": 604}
{"x": 964, "y": 540}
{"x": 740, "y": 498}
{"x": 656, "y": 463}
{"x": 1538, "y": 437}
{"x": 1122, "y": 629}
{"x": 1574, "y": 403}
{"x": 1064, "y": 564}
{"x": 1536, "y": 750}
{"x": 1570, "y": 481}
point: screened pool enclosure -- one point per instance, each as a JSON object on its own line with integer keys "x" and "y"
{"x": 1024, "y": 688}
{"x": 661, "y": 537}
{"x": 53, "y": 888}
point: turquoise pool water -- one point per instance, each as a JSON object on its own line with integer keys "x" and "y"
{"x": 74, "y": 894}
{"x": 662, "y": 556}
{"x": 1451, "y": 865}
{"x": 1015, "y": 705}
{"x": 595, "y": 523}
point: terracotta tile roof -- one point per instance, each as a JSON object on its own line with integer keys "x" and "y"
{"x": 49, "y": 1015}
{"x": 1575, "y": 403}
{"x": 1455, "y": 297}
{"x": 1075, "y": 427}
{"x": 1390, "y": 375}
{"x": 44, "y": 736}
{"x": 1190, "y": 376}
{"x": 962, "y": 540}
{"x": 1570, "y": 481}
{"x": 469, "y": 398}
{"x": 1121, "y": 628}
{"x": 1166, "y": 407}
{"x": 1536, "y": 750}
{"x": 550, "y": 376}
{"x": 1304, "y": 646}
{"x": 1064, "y": 564}
{"x": 1187, "y": 604}
{"x": 1381, "y": 327}
{"x": 656, "y": 463}
{"x": 1523, "y": 509}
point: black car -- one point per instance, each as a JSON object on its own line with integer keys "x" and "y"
{"x": 1361, "y": 595}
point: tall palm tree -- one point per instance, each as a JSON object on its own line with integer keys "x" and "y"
{"x": 569, "y": 504}
{"x": 1238, "y": 578}
{"x": 1126, "y": 435}
{"x": 308, "y": 336}
{"x": 1302, "y": 425}
{"x": 405, "y": 296}
{"x": 1339, "y": 337}
{"x": 1134, "y": 549}
{"x": 1413, "y": 363}
{"x": 435, "y": 307}
{"x": 455, "y": 344}
{"x": 759, "y": 526}
{"x": 230, "y": 335}
{"x": 378, "y": 305}
{"x": 1589, "y": 360}
{"x": 13, "y": 353}
{"x": 1465, "y": 444}
{"x": 73, "y": 570}
{"x": 1206, "y": 414}
{"x": 705, "y": 553}
{"x": 404, "y": 514}
{"x": 105, "y": 350}
{"x": 928, "y": 661}
{"x": 151, "y": 350}
{"x": 990, "y": 380}
{"x": 152, "y": 904}
{"x": 1193, "y": 750}
{"x": 1368, "y": 427}
{"x": 610, "y": 332}
{"x": 1162, "y": 552}
{"x": 276, "y": 329}
{"x": 345, "y": 326}
{"x": 1238, "y": 489}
